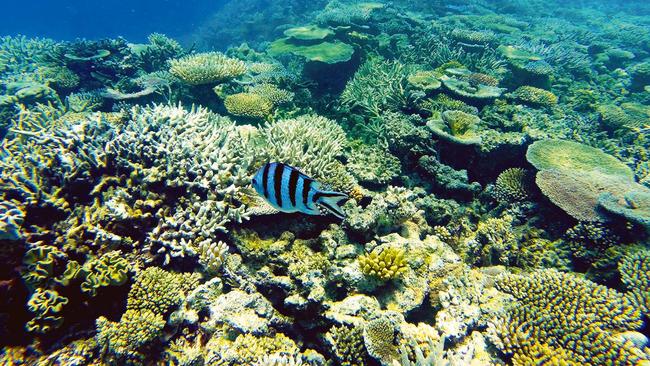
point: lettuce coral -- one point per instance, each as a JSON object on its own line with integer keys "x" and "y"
{"x": 206, "y": 68}
{"x": 46, "y": 305}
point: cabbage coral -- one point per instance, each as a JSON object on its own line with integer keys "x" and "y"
{"x": 206, "y": 68}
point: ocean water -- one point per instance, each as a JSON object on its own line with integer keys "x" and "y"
{"x": 332, "y": 182}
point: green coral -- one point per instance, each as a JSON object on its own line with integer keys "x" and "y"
{"x": 534, "y": 96}
{"x": 326, "y": 52}
{"x": 564, "y": 318}
{"x": 385, "y": 264}
{"x": 206, "y": 68}
{"x": 512, "y": 185}
{"x": 248, "y": 105}
{"x": 46, "y": 305}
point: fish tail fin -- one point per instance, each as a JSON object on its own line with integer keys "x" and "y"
{"x": 331, "y": 202}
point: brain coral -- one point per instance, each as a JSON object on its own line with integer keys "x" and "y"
{"x": 206, "y": 68}
{"x": 563, "y": 319}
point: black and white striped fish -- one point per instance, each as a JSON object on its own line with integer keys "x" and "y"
{"x": 288, "y": 190}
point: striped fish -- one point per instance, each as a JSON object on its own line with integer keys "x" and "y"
{"x": 288, "y": 190}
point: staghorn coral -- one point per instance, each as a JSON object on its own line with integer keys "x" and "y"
{"x": 378, "y": 86}
{"x": 512, "y": 185}
{"x": 534, "y": 96}
{"x": 563, "y": 317}
{"x": 386, "y": 264}
{"x": 248, "y": 105}
{"x": 206, "y": 68}
{"x": 311, "y": 143}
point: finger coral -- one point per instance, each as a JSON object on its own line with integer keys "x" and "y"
{"x": 385, "y": 264}
{"x": 206, "y": 68}
{"x": 635, "y": 274}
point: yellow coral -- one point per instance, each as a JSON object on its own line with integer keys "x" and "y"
{"x": 385, "y": 264}
{"x": 563, "y": 317}
{"x": 248, "y": 105}
{"x": 206, "y": 68}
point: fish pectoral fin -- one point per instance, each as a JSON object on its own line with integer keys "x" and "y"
{"x": 330, "y": 202}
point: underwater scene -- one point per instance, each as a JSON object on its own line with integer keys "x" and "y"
{"x": 325, "y": 182}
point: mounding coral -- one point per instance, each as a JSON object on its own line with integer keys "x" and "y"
{"x": 248, "y": 105}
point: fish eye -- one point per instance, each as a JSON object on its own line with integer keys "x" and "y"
{"x": 254, "y": 181}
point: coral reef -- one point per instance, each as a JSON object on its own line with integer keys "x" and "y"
{"x": 495, "y": 156}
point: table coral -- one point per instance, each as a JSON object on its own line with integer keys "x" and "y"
{"x": 206, "y": 68}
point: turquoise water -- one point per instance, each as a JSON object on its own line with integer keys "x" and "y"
{"x": 325, "y": 183}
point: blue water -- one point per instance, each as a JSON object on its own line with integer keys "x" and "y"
{"x": 134, "y": 20}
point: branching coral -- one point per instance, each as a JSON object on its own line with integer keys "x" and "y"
{"x": 513, "y": 184}
{"x": 563, "y": 317}
{"x": 248, "y": 105}
{"x": 206, "y": 68}
{"x": 385, "y": 264}
{"x": 310, "y": 143}
{"x": 347, "y": 345}
{"x": 378, "y": 86}
{"x": 11, "y": 219}
{"x": 635, "y": 274}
